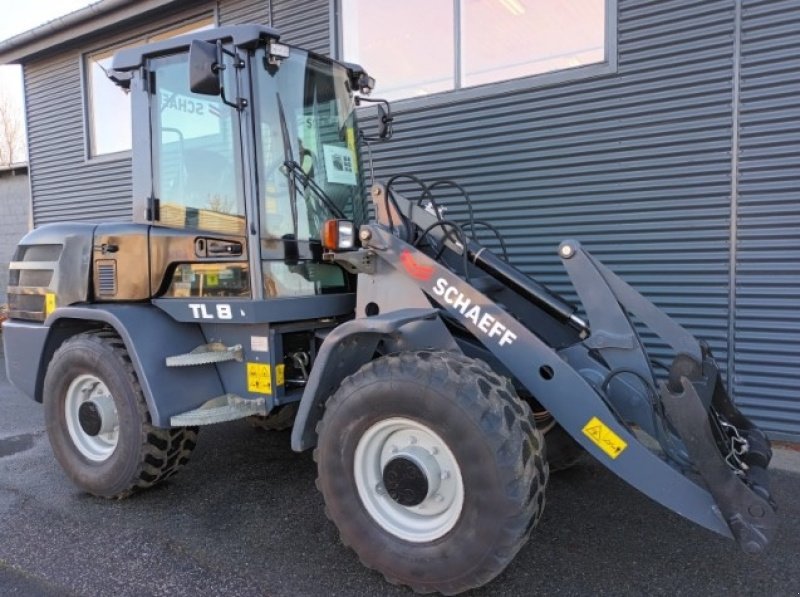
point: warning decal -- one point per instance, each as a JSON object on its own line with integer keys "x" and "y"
{"x": 49, "y": 303}
{"x": 259, "y": 380}
{"x": 602, "y": 435}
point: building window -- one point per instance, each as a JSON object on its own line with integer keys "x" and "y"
{"x": 108, "y": 107}
{"x": 418, "y": 47}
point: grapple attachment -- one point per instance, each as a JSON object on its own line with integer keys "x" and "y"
{"x": 727, "y": 450}
{"x": 696, "y": 424}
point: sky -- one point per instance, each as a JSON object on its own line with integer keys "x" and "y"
{"x": 20, "y": 16}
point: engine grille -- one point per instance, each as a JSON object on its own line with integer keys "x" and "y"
{"x": 106, "y": 278}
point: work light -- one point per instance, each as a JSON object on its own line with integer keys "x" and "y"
{"x": 338, "y": 235}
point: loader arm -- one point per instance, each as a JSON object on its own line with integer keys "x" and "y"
{"x": 681, "y": 442}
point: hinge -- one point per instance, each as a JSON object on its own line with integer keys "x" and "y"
{"x": 153, "y": 210}
{"x": 149, "y": 78}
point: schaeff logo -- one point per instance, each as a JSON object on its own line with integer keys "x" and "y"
{"x": 486, "y": 323}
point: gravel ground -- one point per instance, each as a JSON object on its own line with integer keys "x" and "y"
{"x": 244, "y": 519}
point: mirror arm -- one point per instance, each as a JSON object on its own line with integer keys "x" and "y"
{"x": 240, "y": 102}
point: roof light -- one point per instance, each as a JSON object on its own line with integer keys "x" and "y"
{"x": 366, "y": 84}
{"x": 278, "y": 51}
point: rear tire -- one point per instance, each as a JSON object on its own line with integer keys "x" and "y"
{"x": 98, "y": 423}
{"x": 470, "y": 489}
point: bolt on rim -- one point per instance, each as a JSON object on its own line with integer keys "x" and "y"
{"x": 408, "y": 480}
{"x": 92, "y": 418}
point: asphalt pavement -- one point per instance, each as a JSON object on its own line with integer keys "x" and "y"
{"x": 244, "y": 518}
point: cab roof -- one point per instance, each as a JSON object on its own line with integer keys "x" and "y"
{"x": 241, "y": 36}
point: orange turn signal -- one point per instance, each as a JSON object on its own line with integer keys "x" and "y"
{"x": 338, "y": 235}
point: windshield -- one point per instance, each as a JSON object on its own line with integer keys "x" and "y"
{"x": 309, "y": 169}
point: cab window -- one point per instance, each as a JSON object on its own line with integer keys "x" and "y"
{"x": 195, "y": 173}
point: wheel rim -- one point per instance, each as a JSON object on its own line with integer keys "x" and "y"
{"x": 391, "y": 459}
{"x": 92, "y": 418}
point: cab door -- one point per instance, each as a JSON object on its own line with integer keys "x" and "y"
{"x": 199, "y": 246}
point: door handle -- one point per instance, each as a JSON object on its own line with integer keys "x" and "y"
{"x": 209, "y": 247}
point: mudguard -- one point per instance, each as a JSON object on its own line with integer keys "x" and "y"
{"x": 150, "y": 336}
{"x": 344, "y": 351}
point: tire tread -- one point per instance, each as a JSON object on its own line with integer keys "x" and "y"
{"x": 164, "y": 451}
{"x": 507, "y": 422}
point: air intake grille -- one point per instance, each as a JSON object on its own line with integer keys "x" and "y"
{"x": 26, "y": 306}
{"x": 106, "y": 278}
{"x": 38, "y": 252}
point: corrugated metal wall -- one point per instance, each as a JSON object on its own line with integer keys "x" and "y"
{"x": 636, "y": 165}
{"x": 64, "y": 184}
{"x": 305, "y": 24}
{"x": 232, "y": 12}
{"x": 767, "y": 365}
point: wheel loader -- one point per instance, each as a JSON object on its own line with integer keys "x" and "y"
{"x": 435, "y": 382}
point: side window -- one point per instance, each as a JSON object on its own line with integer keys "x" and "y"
{"x": 196, "y": 178}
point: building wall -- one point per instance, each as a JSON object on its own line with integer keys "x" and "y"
{"x": 14, "y": 207}
{"x": 678, "y": 170}
{"x": 232, "y": 12}
{"x": 767, "y": 322}
{"x": 306, "y": 24}
{"x": 636, "y": 164}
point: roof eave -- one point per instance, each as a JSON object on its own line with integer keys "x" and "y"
{"x": 14, "y": 167}
{"x": 85, "y": 21}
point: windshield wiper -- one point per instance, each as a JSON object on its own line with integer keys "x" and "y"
{"x": 294, "y": 172}
{"x": 287, "y": 155}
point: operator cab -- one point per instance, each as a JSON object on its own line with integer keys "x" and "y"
{"x": 251, "y": 147}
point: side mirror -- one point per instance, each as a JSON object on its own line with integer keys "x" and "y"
{"x": 204, "y": 68}
{"x": 384, "y": 122}
{"x": 385, "y": 118}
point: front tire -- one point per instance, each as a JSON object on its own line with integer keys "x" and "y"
{"x": 98, "y": 423}
{"x": 431, "y": 469}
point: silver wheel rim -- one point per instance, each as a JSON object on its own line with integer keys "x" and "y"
{"x": 397, "y": 437}
{"x": 88, "y": 388}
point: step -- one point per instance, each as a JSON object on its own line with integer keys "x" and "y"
{"x": 228, "y": 407}
{"x": 207, "y": 354}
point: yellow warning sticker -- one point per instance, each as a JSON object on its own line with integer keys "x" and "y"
{"x": 279, "y": 373}
{"x": 259, "y": 380}
{"x": 49, "y": 303}
{"x": 212, "y": 279}
{"x": 602, "y": 435}
{"x": 351, "y": 145}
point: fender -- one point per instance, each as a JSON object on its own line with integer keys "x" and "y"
{"x": 150, "y": 336}
{"x": 351, "y": 345}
